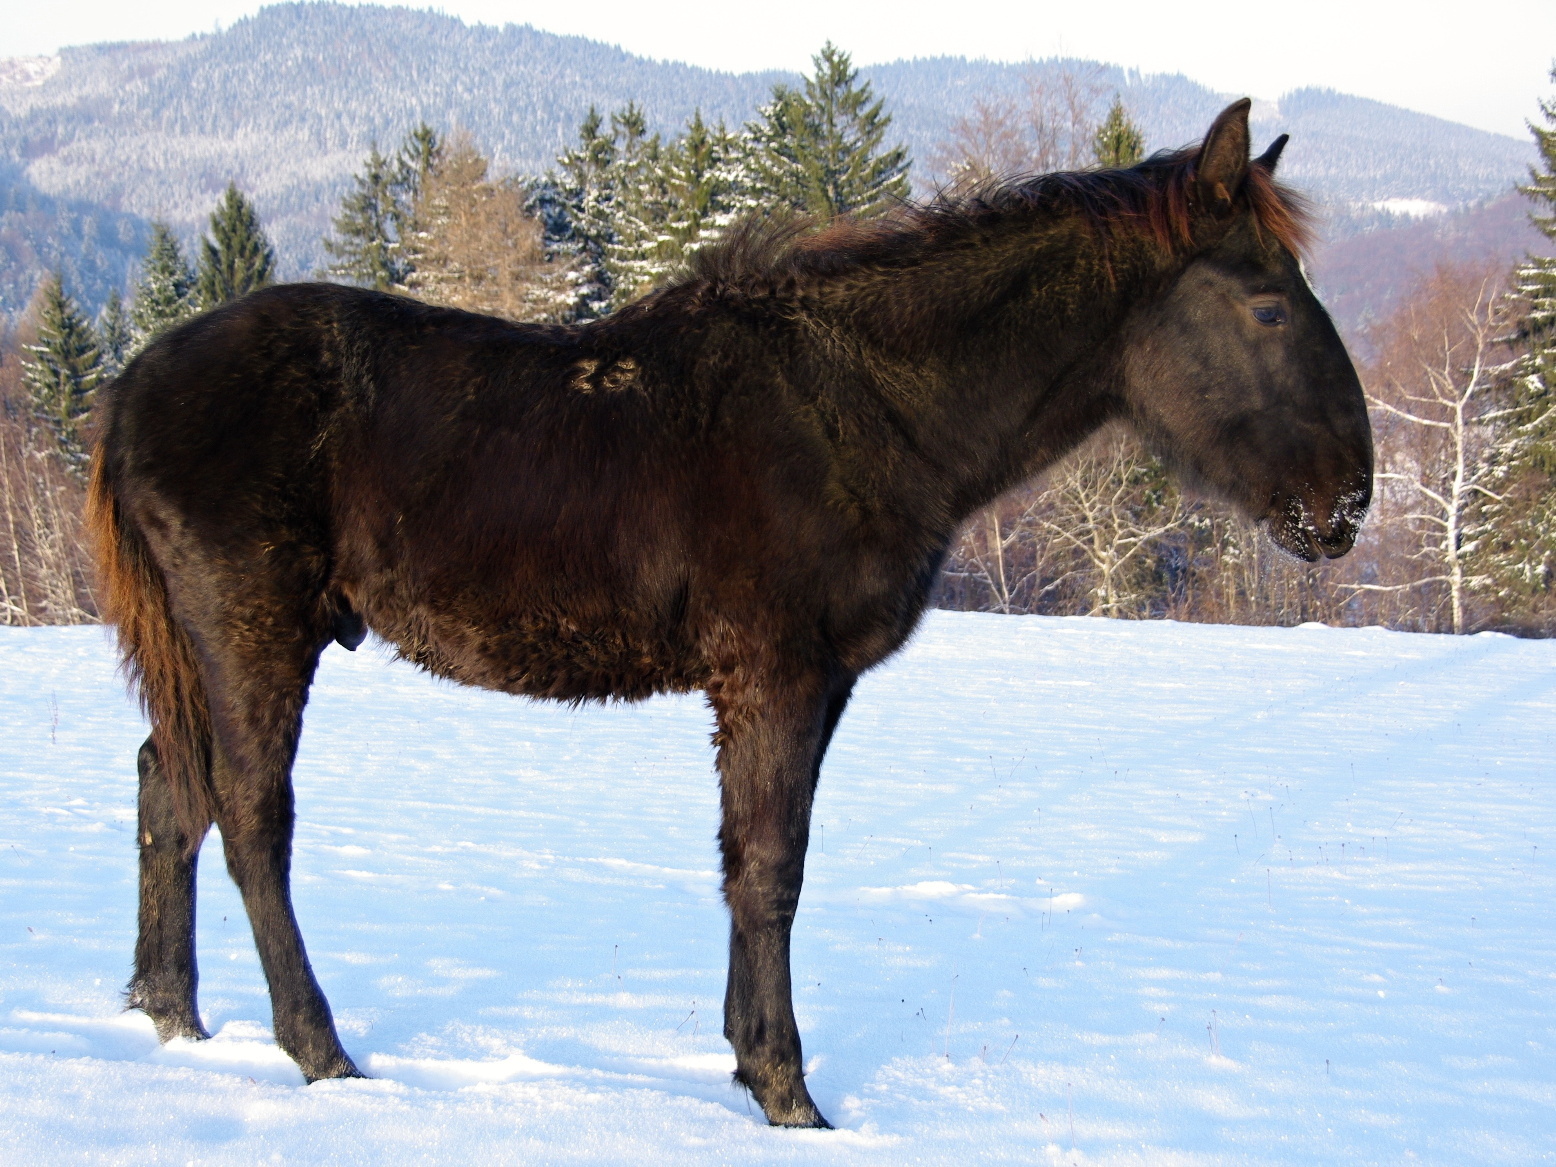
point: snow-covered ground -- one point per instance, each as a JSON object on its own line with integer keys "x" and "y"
{"x": 1080, "y": 892}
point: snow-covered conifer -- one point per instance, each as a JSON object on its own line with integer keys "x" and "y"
{"x": 115, "y": 334}
{"x": 365, "y": 247}
{"x": 370, "y": 245}
{"x": 638, "y": 206}
{"x": 588, "y": 183}
{"x": 164, "y": 295}
{"x": 64, "y": 367}
{"x": 237, "y": 258}
{"x": 1520, "y": 550}
{"x": 708, "y": 185}
{"x": 821, "y": 149}
{"x": 1118, "y": 141}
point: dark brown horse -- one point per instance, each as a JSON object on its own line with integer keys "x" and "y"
{"x": 744, "y": 483}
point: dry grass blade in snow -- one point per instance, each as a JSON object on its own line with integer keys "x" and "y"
{"x": 44, "y": 570}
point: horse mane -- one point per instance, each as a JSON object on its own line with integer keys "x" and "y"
{"x": 1150, "y": 201}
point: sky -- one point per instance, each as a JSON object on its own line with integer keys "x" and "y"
{"x": 1485, "y": 64}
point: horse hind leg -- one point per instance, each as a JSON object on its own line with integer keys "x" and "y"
{"x": 254, "y": 753}
{"x": 166, "y": 977}
{"x": 260, "y": 653}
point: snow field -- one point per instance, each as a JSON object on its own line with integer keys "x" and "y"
{"x": 1079, "y": 892}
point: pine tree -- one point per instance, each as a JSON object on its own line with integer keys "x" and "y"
{"x": 366, "y": 246}
{"x": 420, "y": 155}
{"x": 589, "y": 187}
{"x": 115, "y": 333}
{"x": 617, "y": 203}
{"x": 1118, "y": 142}
{"x": 820, "y": 150}
{"x": 1520, "y": 552}
{"x": 238, "y": 257}
{"x": 672, "y": 201}
{"x": 165, "y": 294}
{"x": 63, "y": 371}
{"x": 626, "y": 209}
{"x": 775, "y": 146}
{"x": 418, "y": 161}
{"x": 1535, "y": 278}
{"x": 706, "y": 187}
{"x": 638, "y": 206}
{"x": 371, "y": 240}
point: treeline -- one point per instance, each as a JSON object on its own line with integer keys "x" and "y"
{"x": 52, "y": 366}
{"x": 621, "y": 210}
{"x": 1458, "y": 377}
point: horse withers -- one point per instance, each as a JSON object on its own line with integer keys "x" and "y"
{"x": 743, "y": 483}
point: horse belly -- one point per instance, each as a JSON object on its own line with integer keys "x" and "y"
{"x": 546, "y": 655}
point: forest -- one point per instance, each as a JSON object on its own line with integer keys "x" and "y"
{"x": 1458, "y": 370}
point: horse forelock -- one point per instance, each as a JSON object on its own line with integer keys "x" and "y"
{"x": 1151, "y": 201}
{"x": 1281, "y": 211}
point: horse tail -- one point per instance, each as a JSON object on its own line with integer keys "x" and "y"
{"x": 159, "y": 657}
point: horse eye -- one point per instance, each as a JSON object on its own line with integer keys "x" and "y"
{"x": 1269, "y": 314}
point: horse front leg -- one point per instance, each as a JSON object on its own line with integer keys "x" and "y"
{"x": 771, "y": 741}
{"x": 166, "y": 977}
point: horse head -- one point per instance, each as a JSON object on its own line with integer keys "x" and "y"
{"x": 1235, "y": 373}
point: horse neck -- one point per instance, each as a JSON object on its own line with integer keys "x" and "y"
{"x": 995, "y": 360}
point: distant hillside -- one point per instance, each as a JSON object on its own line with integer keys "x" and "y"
{"x": 1362, "y": 277}
{"x": 286, "y": 103}
{"x": 92, "y": 247}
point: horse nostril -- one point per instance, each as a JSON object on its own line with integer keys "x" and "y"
{"x": 1337, "y": 536}
{"x": 1336, "y": 545}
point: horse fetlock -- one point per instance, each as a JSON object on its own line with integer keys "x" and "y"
{"x": 338, "y": 1066}
{"x": 173, "y": 1013}
{"x": 780, "y": 1091}
{"x": 318, "y": 1056}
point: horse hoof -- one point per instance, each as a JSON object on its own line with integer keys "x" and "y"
{"x": 186, "y": 1027}
{"x": 802, "y": 1117}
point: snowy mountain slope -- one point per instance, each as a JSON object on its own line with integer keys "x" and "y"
{"x": 287, "y": 102}
{"x": 1080, "y": 891}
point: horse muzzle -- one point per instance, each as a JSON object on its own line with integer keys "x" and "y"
{"x": 1311, "y": 533}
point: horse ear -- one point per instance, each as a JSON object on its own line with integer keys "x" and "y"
{"x": 1223, "y": 159}
{"x": 1271, "y": 156}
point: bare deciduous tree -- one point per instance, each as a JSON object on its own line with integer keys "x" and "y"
{"x": 1050, "y": 126}
{"x": 1435, "y": 391}
{"x": 1086, "y": 538}
{"x": 45, "y": 574}
{"x": 1110, "y": 504}
{"x": 1003, "y": 560}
